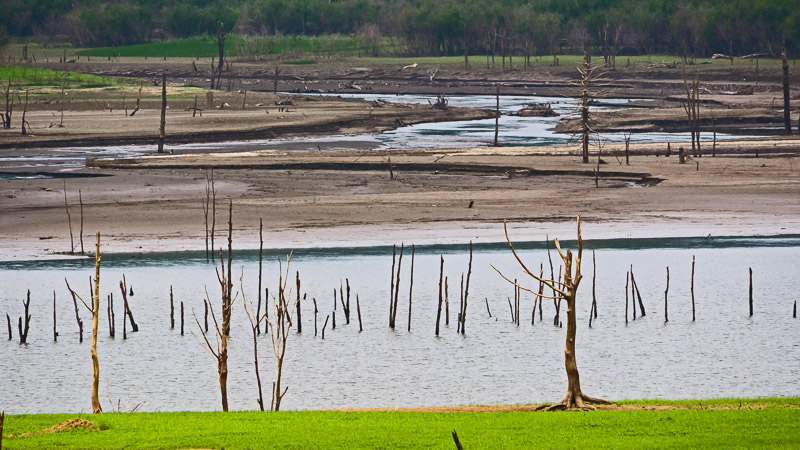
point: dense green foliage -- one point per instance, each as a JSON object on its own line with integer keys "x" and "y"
{"x": 235, "y": 45}
{"x": 432, "y": 27}
{"x": 775, "y": 426}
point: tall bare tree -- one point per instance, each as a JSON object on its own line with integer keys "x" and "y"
{"x": 95, "y": 309}
{"x": 566, "y": 290}
{"x": 280, "y": 324}
{"x": 220, "y": 350}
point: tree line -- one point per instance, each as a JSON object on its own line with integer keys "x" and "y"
{"x": 690, "y": 28}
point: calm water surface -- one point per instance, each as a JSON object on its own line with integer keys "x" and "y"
{"x": 724, "y": 353}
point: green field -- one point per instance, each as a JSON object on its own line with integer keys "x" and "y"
{"x": 770, "y": 423}
{"x": 235, "y": 45}
{"x": 36, "y": 76}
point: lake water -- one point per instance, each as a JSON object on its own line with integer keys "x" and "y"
{"x": 725, "y": 353}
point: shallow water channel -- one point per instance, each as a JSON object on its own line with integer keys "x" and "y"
{"x": 513, "y": 131}
{"x": 724, "y": 353}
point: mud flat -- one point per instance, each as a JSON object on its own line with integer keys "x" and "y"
{"x": 102, "y": 116}
{"x": 317, "y": 199}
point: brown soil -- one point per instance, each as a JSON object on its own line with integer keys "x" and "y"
{"x": 100, "y": 116}
{"x": 314, "y": 199}
{"x": 68, "y": 425}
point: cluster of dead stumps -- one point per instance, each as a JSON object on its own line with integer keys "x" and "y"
{"x": 283, "y": 317}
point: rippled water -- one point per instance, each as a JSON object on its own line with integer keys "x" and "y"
{"x": 724, "y": 353}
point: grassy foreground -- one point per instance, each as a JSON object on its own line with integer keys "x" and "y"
{"x": 707, "y": 423}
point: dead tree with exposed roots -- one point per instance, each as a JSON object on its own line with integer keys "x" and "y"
{"x": 566, "y": 290}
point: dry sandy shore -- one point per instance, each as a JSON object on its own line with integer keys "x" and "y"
{"x": 345, "y": 198}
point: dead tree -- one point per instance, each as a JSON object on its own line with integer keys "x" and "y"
{"x": 391, "y": 285}
{"x": 123, "y": 286}
{"x": 585, "y": 130}
{"x": 95, "y": 309}
{"x": 111, "y": 318}
{"x": 463, "y": 316}
{"x": 162, "y": 128}
{"x": 279, "y": 326}
{"x": 210, "y": 205}
{"x": 299, "y": 314}
{"x": 692, "y": 290}
{"x": 23, "y": 329}
{"x": 221, "y": 46}
{"x": 77, "y": 317}
{"x": 260, "y": 259}
{"x": 9, "y": 106}
{"x": 138, "y": 102}
{"x": 55, "y": 330}
{"x": 24, "y": 111}
{"x": 69, "y": 221}
{"x": 358, "y": 310}
{"x": 566, "y": 290}
{"x": 80, "y": 234}
{"x": 255, "y": 325}
{"x": 692, "y": 109}
{"x": 588, "y": 76}
{"x": 439, "y": 309}
{"x": 787, "y": 120}
{"x": 497, "y": 117}
{"x": 666, "y": 293}
{"x": 220, "y": 350}
{"x": 392, "y": 319}
{"x": 410, "y": 288}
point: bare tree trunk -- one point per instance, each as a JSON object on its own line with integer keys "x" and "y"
{"x": 466, "y": 290}
{"x": 410, "y": 288}
{"x": 666, "y": 293}
{"x": 80, "y": 200}
{"x": 260, "y": 259}
{"x": 692, "y": 289}
{"x": 25, "y": 110}
{"x": 96, "y": 408}
{"x": 221, "y": 46}
{"x": 123, "y": 285}
{"x": 585, "y": 75}
{"x": 497, "y": 117}
{"x": 787, "y": 121}
{"x": 162, "y": 129}
{"x": 69, "y": 220}
{"x": 439, "y": 310}
{"x": 397, "y": 286}
{"x": 55, "y": 331}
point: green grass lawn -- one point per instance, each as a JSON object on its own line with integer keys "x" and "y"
{"x": 36, "y": 76}
{"x": 771, "y": 423}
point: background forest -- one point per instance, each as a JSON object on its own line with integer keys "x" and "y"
{"x": 428, "y": 27}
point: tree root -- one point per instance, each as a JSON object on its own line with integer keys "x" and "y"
{"x": 578, "y": 402}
